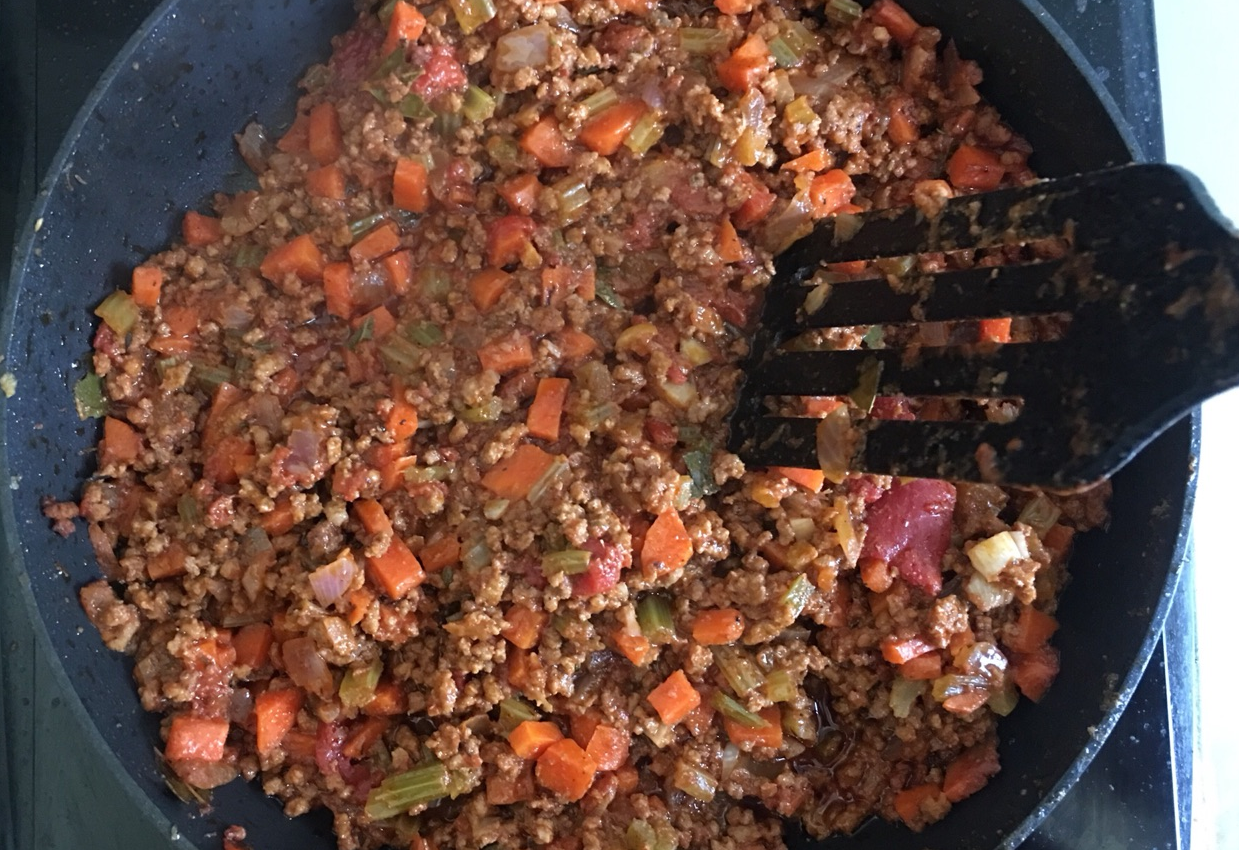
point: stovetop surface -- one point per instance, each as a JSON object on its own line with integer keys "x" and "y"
{"x": 56, "y": 790}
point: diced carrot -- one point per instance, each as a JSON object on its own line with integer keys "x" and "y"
{"x": 902, "y": 128}
{"x": 531, "y": 738}
{"x": 300, "y": 746}
{"x": 575, "y": 344}
{"x": 581, "y": 726}
{"x": 965, "y": 703}
{"x": 252, "y": 643}
{"x": 512, "y": 477}
{"x": 391, "y": 460}
{"x": 362, "y": 737}
{"x": 120, "y": 443}
{"x": 970, "y": 772}
{"x": 299, "y": 256}
{"x": 636, "y": 648}
{"x": 382, "y": 240}
{"x": 667, "y": 546}
{"x": 747, "y": 63}
{"x": 325, "y": 139}
{"x": 389, "y": 700}
{"x": 198, "y": 229}
{"x": 922, "y": 667}
{"x": 506, "y": 354}
{"x": 994, "y": 330}
{"x": 1031, "y": 631}
{"x": 547, "y": 408}
{"x": 191, "y": 737}
{"x": 674, "y": 698}
{"x": 849, "y": 267}
{"x": 487, "y": 286}
{"x": 814, "y": 160}
{"x": 382, "y": 322}
{"x": 830, "y": 191}
{"x": 508, "y": 238}
{"x": 975, "y": 169}
{"x": 718, "y": 626}
{"x": 608, "y": 747}
{"x": 401, "y": 420}
{"x": 279, "y": 520}
{"x": 734, "y": 7}
{"x": 326, "y": 182}
{"x": 520, "y": 667}
{"x": 605, "y": 132}
{"x": 730, "y": 248}
{"x": 810, "y": 479}
{"x": 910, "y": 802}
{"x": 1058, "y": 540}
{"x": 821, "y": 405}
{"x": 546, "y": 142}
{"x": 372, "y": 516}
{"x": 756, "y": 206}
{"x": 902, "y": 650}
{"x": 146, "y": 282}
{"x": 439, "y": 553}
{"x": 275, "y": 713}
{"x": 181, "y": 320}
{"x": 521, "y": 193}
{"x": 896, "y": 21}
{"x": 231, "y": 457}
{"x": 405, "y": 27}
{"x": 524, "y": 628}
{"x": 566, "y": 769}
{"x": 410, "y": 185}
{"x": 397, "y": 571}
{"x": 359, "y": 602}
{"x": 559, "y": 281}
{"x": 749, "y": 737}
{"x": 1035, "y": 671}
{"x": 399, "y": 268}
{"x": 297, "y": 138}
{"x": 338, "y": 289}
{"x": 635, "y": 7}
{"x": 168, "y": 563}
{"x": 286, "y": 382}
{"x": 170, "y": 345}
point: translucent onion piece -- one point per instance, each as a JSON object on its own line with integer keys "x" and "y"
{"x": 695, "y": 782}
{"x": 904, "y": 694}
{"x": 1040, "y": 514}
{"x": 331, "y": 581}
{"x": 836, "y": 444}
{"x": 994, "y": 554}
{"x": 849, "y": 540}
{"x": 985, "y": 595}
{"x": 527, "y": 47}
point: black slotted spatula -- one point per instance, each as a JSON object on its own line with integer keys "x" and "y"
{"x": 1146, "y": 288}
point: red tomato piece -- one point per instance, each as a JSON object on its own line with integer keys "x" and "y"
{"x": 910, "y": 529}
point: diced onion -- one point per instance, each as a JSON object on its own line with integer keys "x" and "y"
{"x": 849, "y": 540}
{"x": 495, "y": 508}
{"x": 799, "y": 111}
{"x": 306, "y": 667}
{"x": 679, "y": 395}
{"x": 527, "y": 47}
{"x": 836, "y": 444}
{"x": 985, "y": 595}
{"x": 1040, "y": 514}
{"x": 817, "y": 297}
{"x": 471, "y": 14}
{"x": 1003, "y": 701}
{"x": 789, "y": 224}
{"x": 695, "y": 782}
{"x": 729, "y": 760}
{"x": 827, "y": 84}
{"x": 803, "y": 527}
{"x": 331, "y": 581}
{"x": 992, "y": 555}
{"x": 694, "y": 352}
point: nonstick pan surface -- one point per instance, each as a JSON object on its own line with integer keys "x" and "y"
{"x": 155, "y": 138}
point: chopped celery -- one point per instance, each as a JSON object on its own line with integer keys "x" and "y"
{"x": 866, "y": 391}
{"x": 447, "y": 124}
{"x": 476, "y": 554}
{"x": 1003, "y": 701}
{"x": 654, "y": 617}
{"x": 1040, "y": 514}
{"x": 424, "y": 333}
{"x": 717, "y": 153}
{"x": 401, "y": 355}
{"x": 514, "y": 711}
{"x": 385, "y": 12}
{"x": 569, "y": 561}
{"x": 414, "y": 108}
{"x": 361, "y": 333}
{"x": 605, "y": 292}
{"x": 488, "y": 411}
{"x": 872, "y": 337}
{"x": 479, "y": 104}
{"x": 644, "y": 134}
{"x": 695, "y": 782}
{"x": 399, "y": 793}
{"x": 471, "y": 14}
{"x": 461, "y": 782}
{"x": 843, "y": 11}
{"x": 389, "y": 64}
{"x": 119, "y": 312}
{"x": 435, "y": 282}
{"x": 540, "y": 487}
{"x": 600, "y": 101}
{"x": 188, "y": 510}
{"x": 571, "y": 195}
{"x": 89, "y": 398}
{"x": 357, "y": 686}
{"x": 904, "y": 694}
{"x": 598, "y": 414}
{"x": 702, "y": 40}
{"x": 799, "y": 111}
{"x": 699, "y": 463}
{"x": 210, "y": 377}
{"x": 248, "y": 257}
{"x": 640, "y": 836}
{"x": 792, "y": 44}
{"x": 738, "y": 669}
{"x": 503, "y": 150}
{"x": 732, "y": 709}
{"x": 800, "y": 724}
{"x": 780, "y": 687}
{"x": 797, "y": 595}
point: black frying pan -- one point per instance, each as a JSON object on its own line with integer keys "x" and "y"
{"x": 155, "y": 139}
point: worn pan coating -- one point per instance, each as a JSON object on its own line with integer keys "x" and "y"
{"x": 155, "y": 138}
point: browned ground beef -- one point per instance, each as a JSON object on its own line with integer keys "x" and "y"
{"x": 259, "y": 443}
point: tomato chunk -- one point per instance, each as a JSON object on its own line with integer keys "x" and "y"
{"x": 910, "y": 529}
